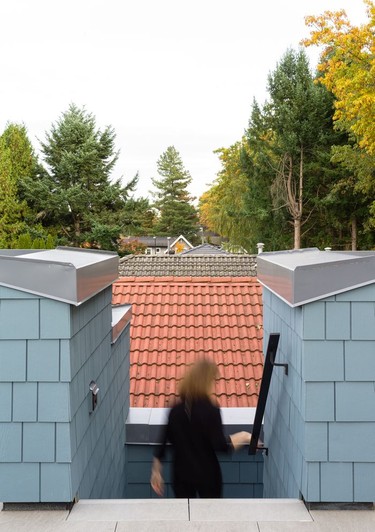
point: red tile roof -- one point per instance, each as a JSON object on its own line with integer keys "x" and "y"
{"x": 177, "y": 320}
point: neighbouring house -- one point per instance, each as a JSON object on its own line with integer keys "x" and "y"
{"x": 160, "y": 245}
{"x": 206, "y": 249}
{"x": 186, "y": 265}
{"x": 177, "y": 320}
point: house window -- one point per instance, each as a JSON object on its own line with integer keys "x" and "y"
{"x": 157, "y": 250}
{"x": 148, "y": 251}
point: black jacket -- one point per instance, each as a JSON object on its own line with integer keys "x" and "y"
{"x": 196, "y": 433}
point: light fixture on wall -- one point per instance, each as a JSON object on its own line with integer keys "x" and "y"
{"x": 94, "y": 389}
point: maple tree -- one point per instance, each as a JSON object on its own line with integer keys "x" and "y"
{"x": 347, "y": 69}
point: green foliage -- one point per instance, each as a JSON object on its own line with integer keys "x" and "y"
{"x": 74, "y": 195}
{"x": 282, "y": 174}
{"x": 27, "y": 241}
{"x": 137, "y": 217}
{"x": 177, "y": 215}
{"x": 17, "y": 160}
{"x": 223, "y": 208}
{"x": 24, "y": 241}
{"x": 50, "y": 242}
{"x": 131, "y": 247}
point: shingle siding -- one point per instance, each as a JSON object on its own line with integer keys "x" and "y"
{"x": 320, "y": 354}
{"x": 242, "y": 474}
{"x": 328, "y": 418}
{"x": 359, "y": 360}
{"x": 19, "y": 482}
{"x": 363, "y": 321}
{"x": 25, "y": 401}
{"x": 52, "y": 448}
{"x": 43, "y": 360}
{"x": 19, "y": 319}
{"x": 5, "y": 401}
{"x": 12, "y": 360}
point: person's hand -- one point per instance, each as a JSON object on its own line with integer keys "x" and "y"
{"x": 157, "y": 481}
{"x": 240, "y": 438}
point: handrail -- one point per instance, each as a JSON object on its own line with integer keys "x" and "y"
{"x": 269, "y": 363}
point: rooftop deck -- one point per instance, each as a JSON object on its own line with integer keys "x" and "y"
{"x": 182, "y": 515}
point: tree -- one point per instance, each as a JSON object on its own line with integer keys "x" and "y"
{"x": 74, "y": 193}
{"x": 347, "y": 69}
{"x": 17, "y": 161}
{"x": 138, "y": 217}
{"x": 299, "y": 114}
{"x": 223, "y": 207}
{"x": 347, "y": 66}
{"x": 259, "y": 161}
{"x": 177, "y": 215}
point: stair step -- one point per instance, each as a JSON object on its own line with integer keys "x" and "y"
{"x": 193, "y": 510}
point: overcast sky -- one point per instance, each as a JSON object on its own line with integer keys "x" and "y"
{"x": 161, "y": 72}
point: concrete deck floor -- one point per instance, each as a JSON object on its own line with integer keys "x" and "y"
{"x": 182, "y": 515}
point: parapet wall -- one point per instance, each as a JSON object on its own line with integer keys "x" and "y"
{"x": 242, "y": 474}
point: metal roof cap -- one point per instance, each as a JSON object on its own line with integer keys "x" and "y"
{"x": 302, "y": 276}
{"x": 71, "y": 275}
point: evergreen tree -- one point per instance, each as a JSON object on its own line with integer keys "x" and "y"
{"x": 177, "y": 214}
{"x": 17, "y": 160}
{"x": 300, "y": 114}
{"x": 74, "y": 194}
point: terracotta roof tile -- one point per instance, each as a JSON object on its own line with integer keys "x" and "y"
{"x": 181, "y": 319}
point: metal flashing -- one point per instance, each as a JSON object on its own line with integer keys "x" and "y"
{"x": 71, "y": 275}
{"x": 302, "y": 276}
{"x": 121, "y": 316}
{"x": 144, "y": 425}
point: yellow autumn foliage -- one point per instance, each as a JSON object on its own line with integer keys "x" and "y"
{"x": 347, "y": 69}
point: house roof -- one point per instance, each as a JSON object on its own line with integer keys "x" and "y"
{"x": 188, "y": 265}
{"x": 177, "y": 320}
{"x": 178, "y": 239}
{"x": 302, "y": 276}
{"x": 206, "y": 249}
{"x": 151, "y": 241}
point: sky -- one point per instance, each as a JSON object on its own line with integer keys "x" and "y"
{"x": 160, "y": 72}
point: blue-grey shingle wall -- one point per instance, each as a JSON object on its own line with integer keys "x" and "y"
{"x": 98, "y": 451}
{"x": 242, "y": 474}
{"x": 320, "y": 420}
{"x": 51, "y": 448}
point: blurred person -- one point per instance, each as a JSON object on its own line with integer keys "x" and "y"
{"x": 195, "y": 431}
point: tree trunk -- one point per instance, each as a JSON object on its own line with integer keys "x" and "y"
{"x": 354, "y": 233}
{"x": 297, "y": 233}
{"x": 77, "y": 231}
{"x": 299, "y": 209}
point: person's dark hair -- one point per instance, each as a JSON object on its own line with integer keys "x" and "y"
{"x": 197, "y": 383}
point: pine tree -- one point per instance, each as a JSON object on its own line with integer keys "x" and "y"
{"x": 177, "y": 214}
